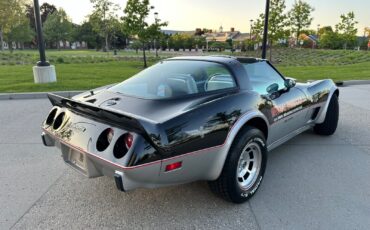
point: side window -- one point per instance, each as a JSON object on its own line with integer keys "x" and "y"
{"x": 218, "y": 77}
{"x": 262, "y": 75}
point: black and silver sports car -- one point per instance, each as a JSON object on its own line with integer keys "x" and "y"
{"x": 186, "y": 119}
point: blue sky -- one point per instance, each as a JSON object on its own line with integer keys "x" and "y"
{"x": 190, "y": 14}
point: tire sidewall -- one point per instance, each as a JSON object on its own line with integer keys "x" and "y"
{"x": 238, "y": 194}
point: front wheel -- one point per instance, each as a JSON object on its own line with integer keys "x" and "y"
{"x": 244, "y": 167}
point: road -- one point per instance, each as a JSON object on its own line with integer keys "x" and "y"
{"x": 311, "y": 182}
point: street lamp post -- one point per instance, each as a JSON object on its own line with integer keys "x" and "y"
{"x": 40, "y": 37}
{"x": 265, "y": 30}
{"x": 43, "y": 72}
{"x": 250, "y": 33}
{"x": 155, "y": 39}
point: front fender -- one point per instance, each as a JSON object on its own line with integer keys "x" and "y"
{"x": 322, "y": 113}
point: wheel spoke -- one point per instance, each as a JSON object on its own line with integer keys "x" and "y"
{"x": 249, "y": 165}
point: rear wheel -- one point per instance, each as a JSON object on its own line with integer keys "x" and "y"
{"x": 330, "y": 124}
{"x": 244, "y": 167}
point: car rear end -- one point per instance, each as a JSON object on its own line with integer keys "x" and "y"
{"x": 97, "y": 142}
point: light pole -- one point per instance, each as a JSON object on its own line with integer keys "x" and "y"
{"x": 265, "y": 30}
{"x": 318, "y": 30}
{"x": 250, "y": 33}
{"x": 40, "y": 37}
{"x": 43, "y": 72}
{"x": 155, "y": 39}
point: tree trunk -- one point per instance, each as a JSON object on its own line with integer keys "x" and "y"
{"x": 58, "y": 45}
{"x": 144, "y": 56}
{"x": 270, "y": 50}
{"x": 106, "y": 42}
{"x": 298, "y": 32}
{"x": 1, "y": 40}
{"x": 10, "y": 47}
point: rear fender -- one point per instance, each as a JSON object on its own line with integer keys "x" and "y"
{"x": 234, "y": 131}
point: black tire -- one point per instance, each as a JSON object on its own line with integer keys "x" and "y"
{"x": 330, "y": 124}
{"x": 227, "y": 185}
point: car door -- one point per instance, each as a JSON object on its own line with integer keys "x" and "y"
{"x": 283, "y": 107}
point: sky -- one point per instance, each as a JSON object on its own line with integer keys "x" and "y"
{"x": 190, "y": 14}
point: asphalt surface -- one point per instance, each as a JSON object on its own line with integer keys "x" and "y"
{"x": 311, "y": 182}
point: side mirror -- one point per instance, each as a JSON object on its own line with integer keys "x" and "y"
{"x": 290, "y": 83}
{"x": 272, "y": 88}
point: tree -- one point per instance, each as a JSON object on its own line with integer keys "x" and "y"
{"x": 58, "y": 27}
{"x": 220, "y": 46}
{"x": 324, "y": 30}
{"x": 20, "y": 33}
{"x": 199, "y": 42}
{"x": 136, "y": 12}
{"x": 104, "y": 18}
{"x": 277, "y": 23}
{"x": 45, "y": 10}
{"x": 9, "y": 16}
{"x": 367, "y": 32}
{"x": 331, "y": 40}
{"x": 300, "y": 17}
{"x": 347, "y": 28}
{"x": 86, "y": 33}
{"x": 136, "y": 45}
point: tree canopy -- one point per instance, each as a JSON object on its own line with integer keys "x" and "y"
{"x": 58, "y": 27}
{"x": 300, "y": 17}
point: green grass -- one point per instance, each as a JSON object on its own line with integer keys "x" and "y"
{"x": 359, "y": 71}
{"x": 70, "y": 76}
{"x": 92, "y": 69}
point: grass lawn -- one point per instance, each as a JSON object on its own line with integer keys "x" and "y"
{"x": 92, "y": 69}
{"x": 360, "y": 71}
{"x": 87, "y": 76}
{"x": 70, "y": 76}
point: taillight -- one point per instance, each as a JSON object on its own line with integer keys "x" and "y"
{"x": 129, "y": 139}
{"x": 123, "y": 144}
{"x": 104, "y": 139}
{"x": 59, "y": 121}
{"x": 51, "y": 116}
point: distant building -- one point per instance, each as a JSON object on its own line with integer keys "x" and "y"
{"x": 309, "y": 41}
{"x": 222, "y": 36}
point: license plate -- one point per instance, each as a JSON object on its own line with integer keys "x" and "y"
{"x": 78, "y": 159}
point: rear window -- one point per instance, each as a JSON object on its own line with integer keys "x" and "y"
{"x": 170, "y": 79}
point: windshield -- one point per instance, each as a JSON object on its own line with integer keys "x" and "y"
{"x": 176, "y": 78}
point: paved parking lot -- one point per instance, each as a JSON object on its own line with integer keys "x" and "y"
{"x": 311, "y": 182}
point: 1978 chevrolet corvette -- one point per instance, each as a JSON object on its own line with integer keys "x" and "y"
{"x": 187, "y": 119}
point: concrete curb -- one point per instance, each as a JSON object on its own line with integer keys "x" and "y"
{"x": 21, "y": 96}
{"x": 353, "y": 82}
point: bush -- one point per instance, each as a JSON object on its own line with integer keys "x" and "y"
{"x": 60, "y": 60}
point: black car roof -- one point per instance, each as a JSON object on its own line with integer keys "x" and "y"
{"x": 219, "y": 58}
{"x": 233, "y": 63}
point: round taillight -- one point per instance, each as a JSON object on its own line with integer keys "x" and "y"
{"x": 123, "y": 144}
{"x": 51, "y": 116}
{"x": 104, "y": 139}
{"x": 129, "y": 139}
{"x": 59, "y": 121}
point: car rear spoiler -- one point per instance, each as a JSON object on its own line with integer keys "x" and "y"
{"x": 118, "y": 119}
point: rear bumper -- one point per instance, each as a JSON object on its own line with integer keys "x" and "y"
{"x": 200, "y": 165}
